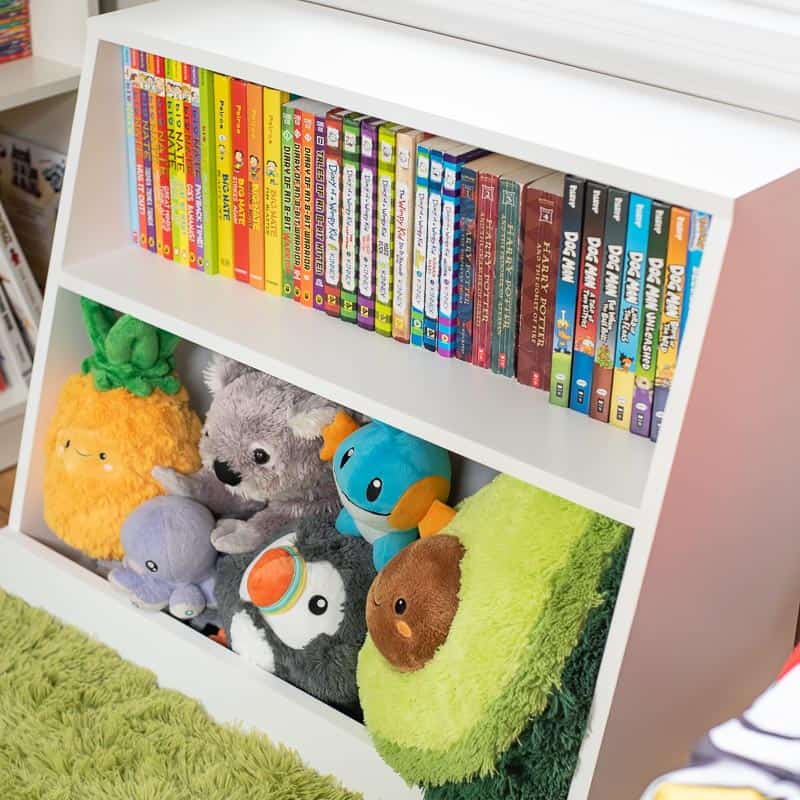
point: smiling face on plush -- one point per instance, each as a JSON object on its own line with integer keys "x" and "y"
{"x": 262, "y": 436}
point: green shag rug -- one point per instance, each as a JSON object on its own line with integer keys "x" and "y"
{"x": 76, "y": 721}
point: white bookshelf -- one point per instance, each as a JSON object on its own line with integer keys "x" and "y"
{"x": 708, "y": 603}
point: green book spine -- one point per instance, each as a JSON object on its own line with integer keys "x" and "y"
{"x": 351, "y": 156}
{"x": 506, "y": 278}
{"x": 208, "y": 163}
{"x": 387, "y": 146}
{"x": 287, "y": 200}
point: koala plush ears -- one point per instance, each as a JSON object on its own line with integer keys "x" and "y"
{"x": 309, "y": 423}
{"x": 223, "y": 371}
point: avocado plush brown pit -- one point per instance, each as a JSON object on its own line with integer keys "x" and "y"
{"x": 412, "y": 602}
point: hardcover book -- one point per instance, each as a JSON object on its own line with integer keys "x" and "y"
{"x": 594, "y": 217}
{"x": 671, "y": 311}
{"x": 652, "y": 282}
{"x": 611, "y": 278}
{"x": 177, "y": 162}
{"x": 224, "y": 163}
{"x": 241, "y": 234}
{"x": 543, "y": 207}
{"x": 384, "y": 245}
{"x": 367, "y": 222}
{"x": 255, "y": 184}
{"x": 197, "y": 167}
{"x": 630, "y": 310}
{"x": 405, "y": 189}
{"x": 333, "y": 210}
{"x": 508, "y": 265}
{"x": 567, "y": 290}
{"x": 188, "y": 138}
{"x": 697, "y": 243}
{"x": 272, "y": 100}
{"x": 130, "y": 144}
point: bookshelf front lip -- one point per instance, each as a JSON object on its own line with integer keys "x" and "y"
{"x": 147, "y": 285}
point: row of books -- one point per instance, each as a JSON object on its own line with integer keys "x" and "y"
{"x": 504, "y": 264}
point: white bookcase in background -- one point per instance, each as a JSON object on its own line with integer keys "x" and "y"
{"x": 707, "y": 607}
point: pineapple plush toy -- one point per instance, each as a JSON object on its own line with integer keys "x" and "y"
{"x": 123, "y": 414}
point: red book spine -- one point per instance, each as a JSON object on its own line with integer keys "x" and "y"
{"x": 485, "y": 244}
{"x": 297, "y": 205}
{"x": 538, "y": 292}
{"x": 188, "y": 138}
{"x": 141, "y": 202}
{"x": 164, "y": 198}
{"x": 241, "y": 233}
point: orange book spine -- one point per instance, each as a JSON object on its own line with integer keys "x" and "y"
{"x": 255, "y": 183}
{"x": 241, "y": 234}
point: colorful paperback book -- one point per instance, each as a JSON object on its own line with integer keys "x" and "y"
{"x": 567, "y": 290}
{"x": 508, "y": 265}
{"x": 649, "y": 321}
{"x": 384, "y": 246}
{"x": 130, "y": 144}
{"x": 161, "y": 177}
{"x": 433, "y": 250}
{"x": 197, "y": 170}
{"x": 188, "y": 136}
{"x": 137, "y": 87}
{"x": 616, "y": 226}
{"x": 177, "y": 161}
{"x": 543, "y": 207}
{"x": 630, "y": 310}
{"x": 287, "y": 199}
{"x": 297, "y": 202}
{"x": 319, "y": 212}
{"x": 208, "y": 171}
{"x": 255, "y": 184}
{"x": 224, "y": 156}
{"x": 594, "y": 217}
{"x": 405, "y": 185}
{"x": 671, "y": 312}
{"x": 697, "y": 243}
{"x": 307, "y": 122}
{"x": 333, "y": 210}
{"x": 272, "y": 101}
{"x": 368, "y": 222}
{"x": 241, "y": 233}
{"x": 18, "y": 349}
{"x": 450, "y": 258}
{"x": 151, "y": 243}
{"x": 351, "y": 205}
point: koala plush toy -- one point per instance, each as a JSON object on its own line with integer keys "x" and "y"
{"x": 260, "y": 450}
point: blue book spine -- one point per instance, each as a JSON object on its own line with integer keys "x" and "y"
{"x": 149, "y": 187}
{"x": 433, "y": 256}
{"x": 420, "y": 244}
{"x": 130, "y": 144}
{"x": 697, "y": 241}
{"x": 451, "y": 242}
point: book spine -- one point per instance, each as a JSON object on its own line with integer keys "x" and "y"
{"x": 137, "y": 81}
{"x": 160, "y": 134}
{"x": 177, "y": 161}
{"x": 630, "y": 309}
{"x": 367, "y": 224}
{"x": 208, "y": 171}
{"x": 273, "y": 204}
{"x": 224, "y": 156}
{"x": 485, "y": 251}
{"x": 384, "y": 248}
{"x": 197, "y": 170}
{"x": 502, "y": 249}
{"x": 255, "y": 185}
{"x": 287, "y": 201}
{"x": 130, "y": 144}
{"x": 147, "y": 149}
{"x": 307, "y": 122}
{"x": 351, "y": 201}
{"x": 697, "y": 243}
{"x": 610, "y": 283}
{"x": 319, "y": 212}
{"x": 542, "y": 231}
{"x": 671, "y": 312}
{"x": 567, "y": 290}
{"x": 19, "y": 351}
{"x": 188, "y": 131}
{"x": 650, "y": 320}
{"x": 450, "y": 256}
{"x": 297, "y": 206}
{"x": 241, "y": 234}
{"x": 594, "y": 216}
{"x": 433, "y": 254}
{"x": 155, "y": 149}
{"x": 333, "y": 212}
{"x": 465, "y": 289}
{"x": 421, "y": 196}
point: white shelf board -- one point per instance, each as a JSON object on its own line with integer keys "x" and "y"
{"x": 485, "y": 417}
{"x": 35, "y": 78}
{"x": 231, "y": 690}
{"x": 682, "y": 149}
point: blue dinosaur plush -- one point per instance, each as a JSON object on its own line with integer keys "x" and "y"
{"x": 388, "y": 482}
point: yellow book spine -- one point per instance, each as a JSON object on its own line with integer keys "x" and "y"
{"x": 177, "y": 162}
{"x": 222, "y": 128}
{"x": 273, "y": 100}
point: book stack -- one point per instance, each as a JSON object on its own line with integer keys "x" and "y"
{"x": 567, "y": 285}
{"x": 15, "y": 30}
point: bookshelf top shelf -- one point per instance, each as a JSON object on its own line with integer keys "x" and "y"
{"x": 35, "y": 78}
{"x": 488, "y": 418}
{"x": 683, "y": 149}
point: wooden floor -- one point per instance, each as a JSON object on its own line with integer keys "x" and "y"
{"x": 6, "y": 486}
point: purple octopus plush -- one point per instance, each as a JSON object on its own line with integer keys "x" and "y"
{"x": 169, "y": 560}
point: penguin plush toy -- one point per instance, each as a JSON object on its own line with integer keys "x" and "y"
{"x": 296, "y": 608}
